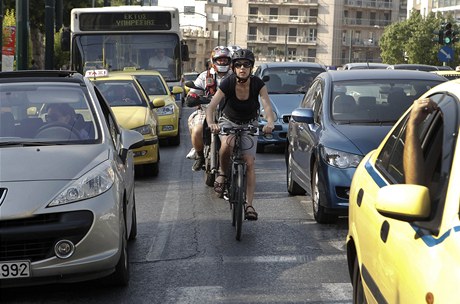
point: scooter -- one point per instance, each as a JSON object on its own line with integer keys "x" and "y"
{"x": 211, "y": 143}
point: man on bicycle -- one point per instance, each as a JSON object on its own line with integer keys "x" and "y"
{"x": 209, "y": 81}
{"x": 240, "y": 107}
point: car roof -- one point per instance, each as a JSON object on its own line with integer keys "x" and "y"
{"x": 291, "y": 64}
{"x": 363, "y": 74}
{"x": 135, "y": 72}
{"x": 352, "y": 65}
{"x": 33, "y": 75}
{"x": 414, "y": 66}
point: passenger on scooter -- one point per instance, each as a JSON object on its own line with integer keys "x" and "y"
{"x": 209, "y": 80}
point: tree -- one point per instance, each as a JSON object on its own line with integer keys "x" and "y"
{"x": 37, "y": 22}
{"x": 412, "y": 39}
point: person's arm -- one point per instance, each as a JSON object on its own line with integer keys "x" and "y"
{"x": 413, "y": 161}
{"x": 269, "y": 115}
{"x": 211, "y": 108}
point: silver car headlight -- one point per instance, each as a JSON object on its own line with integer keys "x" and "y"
{"x": 166, "y": 110}
{"x": 340, "y": 159}
{"x": 93, "y": 183}
{"x": 144, "y": 130}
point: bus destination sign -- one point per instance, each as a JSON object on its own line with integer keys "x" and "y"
{"x": 125, "y": 21}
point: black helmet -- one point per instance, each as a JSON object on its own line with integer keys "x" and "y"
{"x": 243, "y": 54}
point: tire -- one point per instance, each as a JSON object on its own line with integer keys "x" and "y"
{"x": 151, "y": 169}
{"x": 209, "y": 178}
{"x": 358, "y": 291}
{"x": 175, "y": 141}
{"x": 240, "y": 202}
{"x": 121, "y": 275}
{"x": 292, "y": 187}
{"x": 260, "y": 148}
{"x": 133, "y": 233}
{"x": 318, "y": 196}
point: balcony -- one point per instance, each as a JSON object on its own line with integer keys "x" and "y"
{"x": 281, "y": 39}
{"x": 365, "y": 22}
{"x": 285, "y": 2}
{"x": 369, "y": 4}
{"x": 282, "y": 19}
{"x": 195, "y": 33}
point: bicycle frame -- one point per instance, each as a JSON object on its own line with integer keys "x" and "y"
{"x": 237, "y": 178}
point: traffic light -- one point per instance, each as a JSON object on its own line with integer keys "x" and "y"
{"x": 439, "y": 36}
{"x": 448, "y": 34}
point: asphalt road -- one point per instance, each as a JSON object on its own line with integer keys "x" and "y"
{"x": 186, "y": 251}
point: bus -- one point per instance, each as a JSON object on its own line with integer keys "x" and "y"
{"x": 126, "y": 37}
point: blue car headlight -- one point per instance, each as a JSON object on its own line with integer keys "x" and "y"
{"x": 340, "y": 159}
{"x": 262, "y": 116}
{"x": 166, "y": 110}
{"x": 91, "y": 184}
{"x": 144, "y": 130}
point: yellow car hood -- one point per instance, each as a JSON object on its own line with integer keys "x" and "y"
{"x": 131, "y": 117}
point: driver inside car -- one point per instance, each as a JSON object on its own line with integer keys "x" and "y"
{"x": 64, "y": 114}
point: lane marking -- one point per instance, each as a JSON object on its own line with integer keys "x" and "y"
{"x": 167, "y": 220}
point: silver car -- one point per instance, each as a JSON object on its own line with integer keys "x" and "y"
{"x": 67, "y": 202}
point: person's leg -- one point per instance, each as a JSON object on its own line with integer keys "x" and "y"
{"x": 197, "y": 140}
{"x": 250, "y": 147}
{"x": 224, "y": 162}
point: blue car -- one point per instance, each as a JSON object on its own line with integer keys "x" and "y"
{"x": 286, "y": 83}
{"x": 343, "y": 116}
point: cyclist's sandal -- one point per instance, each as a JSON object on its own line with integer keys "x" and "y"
{"x": 250, "y": 213}
{"x": 219, "y": 187}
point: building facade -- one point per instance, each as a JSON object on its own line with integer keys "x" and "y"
{"x": 330, "y": 32}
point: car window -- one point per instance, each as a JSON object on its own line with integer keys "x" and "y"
{"x": 375, "y": 101}
{"x": 46, "y": 112}
{"x": 120, "y": 93}
{"x": 308, "y": 100}
{"x": 436, "y": 135}
{"x": 152, "y": 84}
{"x": 290, "y": 80}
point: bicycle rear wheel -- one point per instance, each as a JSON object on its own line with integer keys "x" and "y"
{"x": 240, "y": 200}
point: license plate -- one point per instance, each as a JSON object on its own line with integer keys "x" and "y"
{"x": 14, "y": 269}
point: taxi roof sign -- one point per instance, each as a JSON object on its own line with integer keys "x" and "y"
{"x": 97, "y": 73}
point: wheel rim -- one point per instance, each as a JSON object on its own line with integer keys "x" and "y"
{"x": 289, "y": 172}
{"x": 315, "y": 193}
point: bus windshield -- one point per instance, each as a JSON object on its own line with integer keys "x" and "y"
{"x": 115, "y": 52}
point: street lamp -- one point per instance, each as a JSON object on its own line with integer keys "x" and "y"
{"x": 351, "y": 45}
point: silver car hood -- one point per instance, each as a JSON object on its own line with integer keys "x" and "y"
{"x": 42, "y": 163}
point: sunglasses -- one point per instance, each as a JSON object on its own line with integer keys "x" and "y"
{"x": 246, "y": 65}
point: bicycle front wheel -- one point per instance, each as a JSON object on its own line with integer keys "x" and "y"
{"x": 240, "y": 200}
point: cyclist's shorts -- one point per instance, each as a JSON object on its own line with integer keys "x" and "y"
{"x": 196, "y": 118}
{"x": 249, "y": 142}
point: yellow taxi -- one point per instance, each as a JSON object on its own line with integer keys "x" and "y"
{"x": 157, "y": 89}
{"x": 449, "y": 74}
{"x": 134, "y": 111}
{"x": 403, "y": 242}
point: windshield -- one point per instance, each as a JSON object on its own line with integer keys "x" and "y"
{"x": 45, "y": 113}
{"x": 121, "y": 93}
{"x": 115, "y": 52}
{"x": 379, "y": 101}
{"x": 152, "y": 84}
{"x": 290, "y": 80}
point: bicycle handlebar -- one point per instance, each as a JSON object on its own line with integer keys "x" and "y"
{"x": 233, "y": 130}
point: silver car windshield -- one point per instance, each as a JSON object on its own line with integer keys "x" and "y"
{"x": 35, "y": 113}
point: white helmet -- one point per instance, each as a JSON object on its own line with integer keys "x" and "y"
{"x": 221, "y": 52}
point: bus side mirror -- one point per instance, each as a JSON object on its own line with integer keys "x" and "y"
{"x": 65, "y": 40}
{"x": 184, "y": 52}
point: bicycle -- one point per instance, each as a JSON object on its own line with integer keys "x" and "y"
{"x": 210, "y": 141}
{"x": 236, "y": 185}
